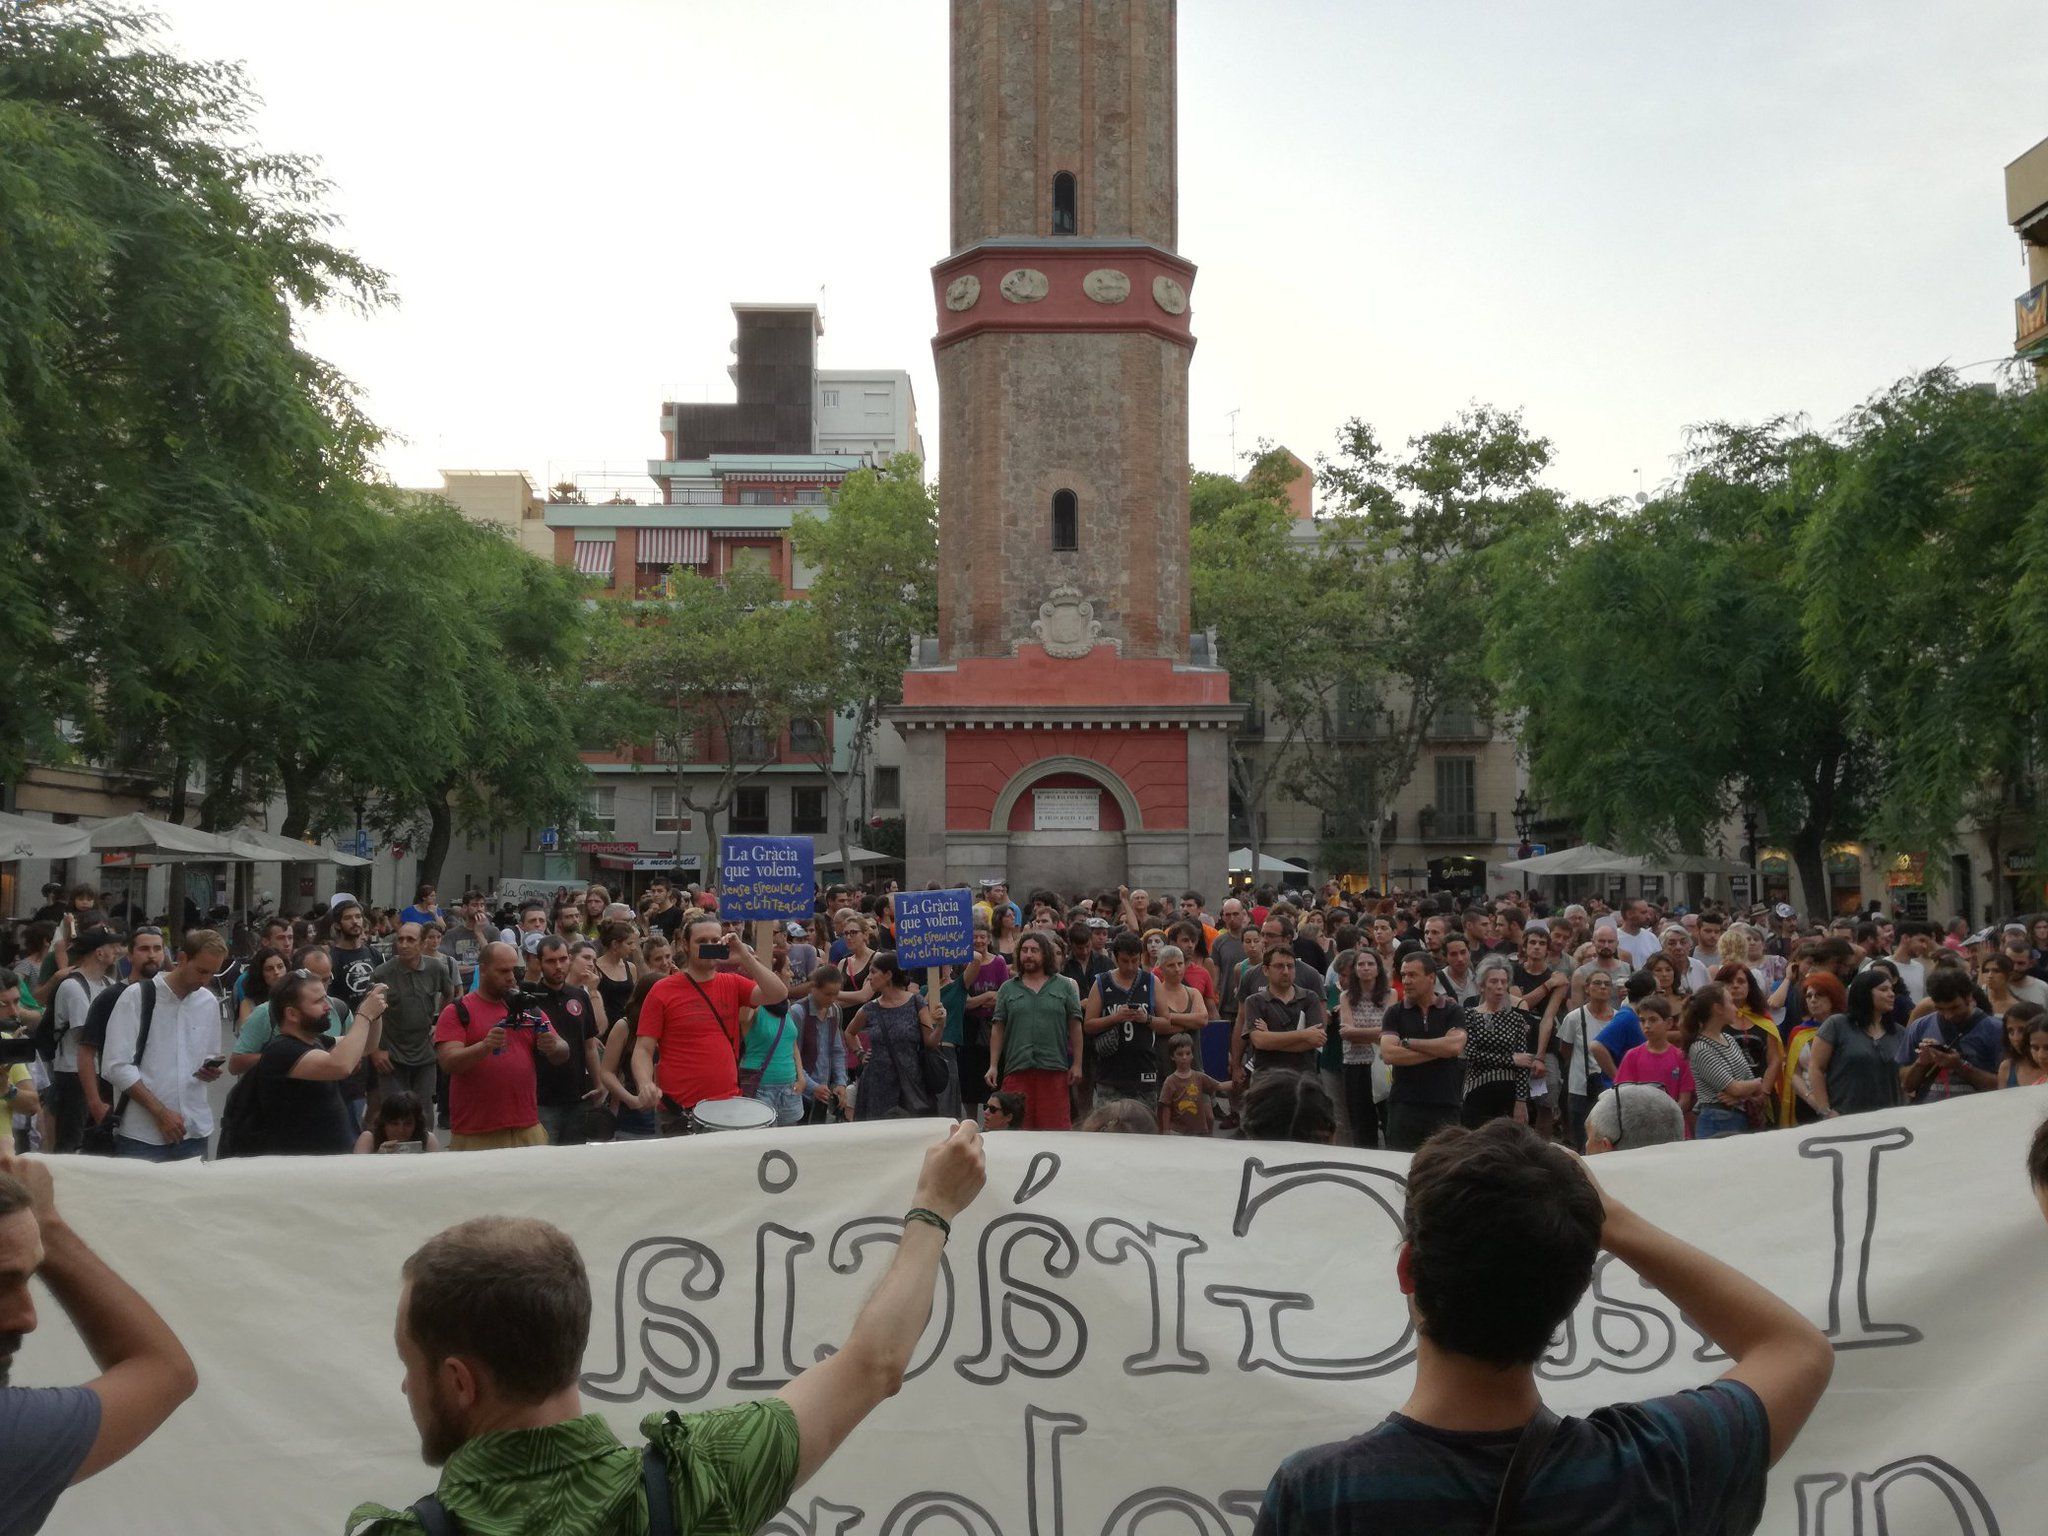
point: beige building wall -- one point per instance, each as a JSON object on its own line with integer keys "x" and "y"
{"x": 505, "y": 498}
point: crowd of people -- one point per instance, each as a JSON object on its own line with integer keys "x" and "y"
{"x": 1308, "y": 1015}
{"x": 1489, "y": 1037}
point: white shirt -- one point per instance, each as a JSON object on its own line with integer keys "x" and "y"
{"x": 1698, "y": 974}
{"x": 1914, "y": 974}
{"x": 182, "y": 1034}
{"x": 1638, "y": 946}
{"x": 74, "y": 997}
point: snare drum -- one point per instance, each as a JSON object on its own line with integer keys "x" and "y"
{"x": 731, "y": 1115}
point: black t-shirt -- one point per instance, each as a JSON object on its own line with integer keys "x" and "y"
{"x": 1124, "y": 1058}
{"x": 1440, "y": 1082}
{"x": 1304, "y": 1010}
{"x": 666, "y": 922}
{"x": 352, "y": 969}
{"x": 1524, "y": 985}
{"x": 296, "y": 1116}
{"x": 569, "y": 1011}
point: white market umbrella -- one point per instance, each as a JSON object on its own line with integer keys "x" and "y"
{"x": 855, "y": 854}
{"x": 276, "y": 848}
{"x": 23, "y": 837}
{"x": 1241, "y": 863}
{"x": 1586, "y": 859}
{"x": 139, "y": 834}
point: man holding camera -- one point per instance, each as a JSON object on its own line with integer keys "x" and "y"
{"x": 693, "y": 1016}
{"x": 485, "y": 1043}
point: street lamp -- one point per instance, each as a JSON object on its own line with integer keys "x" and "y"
{"x": 1749, "y": 854}
{"x": 1525, "y": 822}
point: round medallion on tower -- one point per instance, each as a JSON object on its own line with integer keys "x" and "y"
{"x": 1024, "y": 285}
{"x": 1106, "y": 285}
{"x": 1169, "y": 295}
{"x": 963, "y": 292}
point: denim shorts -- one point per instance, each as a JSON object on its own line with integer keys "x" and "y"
{"x": 1717, "y": 1120}
{"x": 787, "y": 1103}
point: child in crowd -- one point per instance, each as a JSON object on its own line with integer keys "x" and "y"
{"x": 1657, "y": 1060}
{"x": 397, "y": 1126}
{"x": 1003, "y": 1112}
{"x": 1187, "y": 1099}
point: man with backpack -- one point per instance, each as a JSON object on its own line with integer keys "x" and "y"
{"x": 94, "y": 953}
{"x": 163, "y": 1050}
{"x": 487, "y": 1054}
{"x": 493, "y": 1318}
{"x": 145, "y": 959}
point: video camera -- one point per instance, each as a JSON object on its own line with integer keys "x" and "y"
{"x": 17, "y": 1051}
{"x": 521, "y": 1001}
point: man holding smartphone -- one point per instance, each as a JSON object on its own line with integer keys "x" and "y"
{"x": 692, "y": 1018}
{"x": 1123, "y": 1024}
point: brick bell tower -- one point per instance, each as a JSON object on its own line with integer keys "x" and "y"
{"x": 1064, "y": 729}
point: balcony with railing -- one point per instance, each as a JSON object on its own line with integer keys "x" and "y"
{"x": 1458, "y": 826}
{"x": 1458, "y": 723}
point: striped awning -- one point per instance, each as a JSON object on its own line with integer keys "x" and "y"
{"x": 674, "y": 546}
{"x": 594, "y": 557}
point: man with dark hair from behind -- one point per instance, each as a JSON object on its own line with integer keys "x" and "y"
{"x": 493, "y": 1317}
{"x": 1503, "y": 1229}
{"x": 53, "y": 1437}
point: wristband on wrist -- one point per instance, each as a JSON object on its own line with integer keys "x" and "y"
{"x": 929, "y": 1218}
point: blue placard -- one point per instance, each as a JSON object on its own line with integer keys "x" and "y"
{"x": 766, "y": 877}
{"x": 934, "y": 927}
{"x": 549, "y": 837}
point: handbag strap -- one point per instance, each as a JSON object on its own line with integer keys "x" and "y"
{"x": 1536, "y": 1437}
{"x": 737, "y": 1053}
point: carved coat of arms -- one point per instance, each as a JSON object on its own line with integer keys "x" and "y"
{"x": 1066, "y": 624}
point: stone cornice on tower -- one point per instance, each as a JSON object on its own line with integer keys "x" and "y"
{"x": 1063, "y": 284}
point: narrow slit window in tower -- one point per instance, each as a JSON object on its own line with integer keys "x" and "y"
{"x": 1063, "y": 204}
{"x": 1066, "y": 521}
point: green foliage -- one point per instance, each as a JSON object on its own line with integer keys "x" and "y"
{"x": 711, "y": 663}
{"x": 1655, "y": 659}
{"x": 875, "y": 552}
{"x": 1409, "y": 576}
{"x": 1924, "y": 590}
{"x": 1255, "y": 582}
{"x": 163, "y": 437}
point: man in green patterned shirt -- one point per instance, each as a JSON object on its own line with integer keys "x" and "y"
{"x": 492, "y": 1322}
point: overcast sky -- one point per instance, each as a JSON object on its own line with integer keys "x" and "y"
{"x": 1621, "y": 217}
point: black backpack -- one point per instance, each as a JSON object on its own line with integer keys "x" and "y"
{"x": 241, "y": 1126}
{"x": 661, "y": 1512}
{"x": 99, "y": 1139}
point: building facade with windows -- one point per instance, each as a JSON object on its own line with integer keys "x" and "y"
{"x": 2026, "y": 209}
{"x": 731, "y": 479}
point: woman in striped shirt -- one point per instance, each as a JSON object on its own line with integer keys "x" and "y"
{"x": 1731, "y": 1096}
{"x": 1498, "y": 1040}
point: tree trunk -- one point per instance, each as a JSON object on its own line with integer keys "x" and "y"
{"x": 440, "y": 834}
{"x": 1809, "y": 858}
{"x": 177, "y": 803}
{"x": 298, "y": 812}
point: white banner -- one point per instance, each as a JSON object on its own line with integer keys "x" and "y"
{"x": 1132, "y": 1331}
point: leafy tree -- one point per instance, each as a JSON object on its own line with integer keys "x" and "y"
{"x": 875, "y": 552}
{"x": 1653, "y": 746}
{"x": 1251, "y": 581}
{"x": 1924, "y": 584}
{"x": 698, "y": 673}
{"x": 163, "y": 436}
{"x": 1409, "y": 578}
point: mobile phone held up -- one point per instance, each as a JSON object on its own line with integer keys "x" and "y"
{"x": 719, "y": 951}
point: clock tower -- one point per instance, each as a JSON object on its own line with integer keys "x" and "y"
{"x": 1064, "y": 728}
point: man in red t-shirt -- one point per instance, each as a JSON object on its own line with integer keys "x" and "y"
{"x": 693, "y": 1016}
{"x": 489, "y": 1063}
